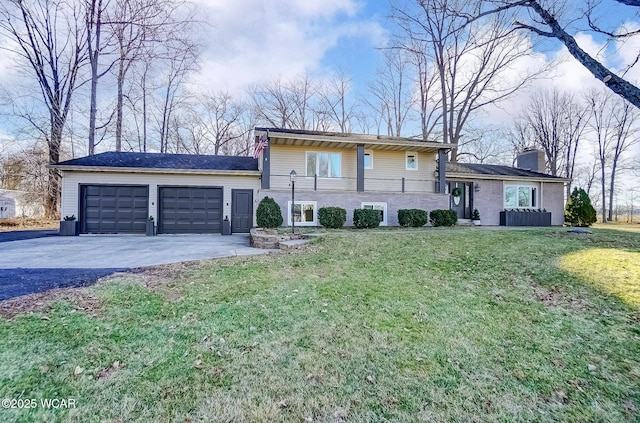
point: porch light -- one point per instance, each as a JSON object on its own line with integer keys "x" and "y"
{"x": 292, "y": 175}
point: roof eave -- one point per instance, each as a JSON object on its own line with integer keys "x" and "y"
{"x": 505, "y": 177}
{"x": 116, "y": 169}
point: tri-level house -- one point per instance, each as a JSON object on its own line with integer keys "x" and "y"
{"x": 349, "y": 171}
{"x": 120, "y": 192}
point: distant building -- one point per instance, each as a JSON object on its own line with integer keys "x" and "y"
{"x": 19, "y": 204}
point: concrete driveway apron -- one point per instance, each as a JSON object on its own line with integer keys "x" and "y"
{"x": 39, "y": 264}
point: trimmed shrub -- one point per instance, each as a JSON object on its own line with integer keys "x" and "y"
{"x": 268, "y": 214}
{"x": 412, "y": 217}
{"x": 579, "y": 211}
{"x": 332, "y": 217}
{"x": 366, "y": 218}
{"x": 443, "y": 217}
{"x": 475, "y": 215}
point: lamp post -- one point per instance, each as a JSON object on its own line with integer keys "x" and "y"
{"x": 292, "y": 178}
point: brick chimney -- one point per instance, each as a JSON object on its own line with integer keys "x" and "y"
{"x": 532, "y": 160}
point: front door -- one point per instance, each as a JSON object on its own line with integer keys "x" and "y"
{"x": 241, "y": 210}
{"x": 462, "y": 202}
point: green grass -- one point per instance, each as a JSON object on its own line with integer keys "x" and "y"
{"x": 439, "y": 325}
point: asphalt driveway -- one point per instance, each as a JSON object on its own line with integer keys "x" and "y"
{"x": 39, "y": 261}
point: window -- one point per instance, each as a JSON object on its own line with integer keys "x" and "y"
{"x": 382, "y": 207}
{"x": 304, "y": 213}
{"x": 325, "y": 165}
{"x": 411, "y": 160}
{"x": 520, "y": 197}
{"x": 368, "y": 159}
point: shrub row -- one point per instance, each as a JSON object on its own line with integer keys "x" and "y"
{"x": 269, "y": 215}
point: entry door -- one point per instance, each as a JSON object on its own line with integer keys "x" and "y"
{"x": 241, "y": 210}
{"x": 461, "y": 204}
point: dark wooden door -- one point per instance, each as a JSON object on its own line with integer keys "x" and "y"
{"x": 461, "y": 204}
{"x": 241, "y": 210}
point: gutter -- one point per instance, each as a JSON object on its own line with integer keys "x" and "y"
{"x": 111, "y": 169}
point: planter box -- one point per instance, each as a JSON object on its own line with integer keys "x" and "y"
{"x": 68, "y": 228}
{"x": 525, "y": 218}
{"x": 226, "y": 227}
{"x": 151, "y": 228}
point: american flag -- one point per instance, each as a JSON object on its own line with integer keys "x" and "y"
{"x": 261, "y": 143}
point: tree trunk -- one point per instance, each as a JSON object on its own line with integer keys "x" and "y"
{"x": 119, "y": 106}
{"x": 611, "y": 186}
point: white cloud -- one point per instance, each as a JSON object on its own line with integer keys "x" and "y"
{"x": 250, "y": 41}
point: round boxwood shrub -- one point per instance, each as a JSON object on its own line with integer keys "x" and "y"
{"x": 268, "y": 214}
{"x": 366, "y": 218}
{"x": 332, "y": 217}
{"x": 412, "y": 217}
{"x": 443, "y": 217}
{"x": 579, "y": 211}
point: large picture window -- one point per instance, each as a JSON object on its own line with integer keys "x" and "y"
{"x": 325, "y": 165}
{"x": 520, "y": 196}
{"x": 305, "y": 213}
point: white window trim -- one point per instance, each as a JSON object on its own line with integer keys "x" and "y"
{"x": 517, "y": 186}
{"x": 406, "y": 160}
{"x": 384, "y": 209}
{"x": 306, "y": 164}
{"x": 315, "y": 213}
{"x": 370, "y": 153}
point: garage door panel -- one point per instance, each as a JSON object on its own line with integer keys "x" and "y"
{"x": 114, "y": 209}
{"x": 190, "y": 210}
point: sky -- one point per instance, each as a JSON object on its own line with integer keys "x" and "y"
{"x": 252, "y": 41}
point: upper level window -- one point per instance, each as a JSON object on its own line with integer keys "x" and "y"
{"x": 325, "y": 165}
{"x": 411, "y": 160}
{"x": 520, "y": 196}
{"x": 368, "y": 159}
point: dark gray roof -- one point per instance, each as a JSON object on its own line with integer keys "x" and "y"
{"x": 494, "y": 170}
{"x": 165, "y": 161}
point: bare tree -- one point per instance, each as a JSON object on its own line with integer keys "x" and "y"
{"x": 625, "y": 134}
{"x": 335, "y": 104}
{"x": 136, "y": 25}
{"x": 292, "y": 104}
{"x": 220, "y": 119}
{"x": 542, "y": 18}
{"x": 555, "y": 122}
{"x": 615, "y": 130}
{"x": 471, "y": 60}
{"x": 180, "y": 57}
{"x": 50, "y": 38}
{"x": 391, "y": 91}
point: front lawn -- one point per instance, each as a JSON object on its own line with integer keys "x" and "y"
{"x": 436, "y": 325}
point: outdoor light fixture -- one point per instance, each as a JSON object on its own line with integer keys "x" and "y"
{"x": 292, "y": 178}
{"x": 476, "y": 187}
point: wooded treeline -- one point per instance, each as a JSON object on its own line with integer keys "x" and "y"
{"x": 105, "y": 75}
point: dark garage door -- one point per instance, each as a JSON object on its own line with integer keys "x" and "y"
{"x": 189, "y": 210}
{"x": 109, "y": 209}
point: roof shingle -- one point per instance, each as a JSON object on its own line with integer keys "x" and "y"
{"x": 165, "y": 161}
{"x": 494, "y": 170}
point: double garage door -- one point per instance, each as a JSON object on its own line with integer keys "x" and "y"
{"x": 125, "y": 209}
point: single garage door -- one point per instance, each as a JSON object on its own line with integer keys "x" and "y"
{"x": 110, "y": 209}
{"x": 190, "y": 210}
